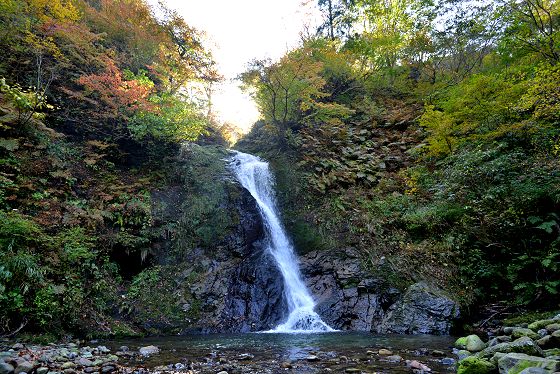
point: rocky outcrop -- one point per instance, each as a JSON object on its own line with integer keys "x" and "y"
{"x": 421, "y": 310}
{"x": 350, "y": 298}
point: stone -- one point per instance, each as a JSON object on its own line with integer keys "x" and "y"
{"x": 544, "y": 342}
{"x": 537, "y": 325}
{"x": 286, "y": 365}
{"x": 521, "y": 345}
{"x": 393, "y": 358}
{"x": 553, "y": 327}
{"x": 552, "y": 352}
{"x": 124, "y": 348}
{"x": 17, "y": 346}
{"x": 542, "y": 332}
{"x": 24, "y": 367}
{"x": 222, "y": 372}
{"x": 438, "y": 353}
{"x": 462, "y": 354}
{"x": 421, "y": 310}
{"x": 245, "y": 357}
{"x": 6, "y": 368}
{"x": 474, "y": 344}
{"x": 475, "y": 365}
{"x": 103, "y": 349}
{"x": 108, "y": 369}
{"x": 84, "y": 362}
{"x": 417, "y": 365}
{"x": 353, "y": 370}
{"x": 520, "y": 331}
{"x": 68, "y": 365}
{"x": 499, "y": 339}
{"x": 533, "y": 370}
{"x": 385, "y": 352}
{"x": 312, "y": 358}
{"x": 149, "y": 350}
{"x": 42, "y": 370}
{"x": 516, "y": 362}
{"x": 448, "y": 361}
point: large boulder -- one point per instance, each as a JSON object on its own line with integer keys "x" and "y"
{"x": 422, "y": 310}
{"x": 513, "y": 363}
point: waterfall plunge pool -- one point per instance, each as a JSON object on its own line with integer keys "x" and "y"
{"x": 335, "y": 351}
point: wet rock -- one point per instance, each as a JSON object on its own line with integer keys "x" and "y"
{"x": 515, "y": 362}
{"x": 448, "y": 361}
{"x": 393, "y": 358}
{"x": 149, "y": 350}
{"x": 312, "y": 358}
{"x": 474, "y": 365}
{"x": 417, "y": 365}
{"x": 422, "y": 310}
{"x": 6, "y": 368}
{"x": 521, "y": 345}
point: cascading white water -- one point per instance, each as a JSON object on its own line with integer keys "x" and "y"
{"x": 254, "y": 175}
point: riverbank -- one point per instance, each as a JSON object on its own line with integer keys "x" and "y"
{"x": 236, "y": 353}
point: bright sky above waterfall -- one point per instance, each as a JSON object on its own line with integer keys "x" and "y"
{"x": 239, "y": 31}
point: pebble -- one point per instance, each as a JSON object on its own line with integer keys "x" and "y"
{"x": 448, "y": 361}
{"x": 245, "y": 356}
{"x": 312, "y": 358}
{"x": 223, "y": 372}
{"x": 394, "y": 358}
{"x": 286, "y": 365}
{"x": 438, "y": 353}
{"x": 385, "y": 352}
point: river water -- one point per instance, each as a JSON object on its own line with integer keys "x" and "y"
{"x": 336, "y": 352}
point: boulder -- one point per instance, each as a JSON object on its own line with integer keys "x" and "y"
{"x": 474, "y": 343}
{"x": 475, "y": 365}
{"x": 537, "y": 325}
{"x": 553, "y": 327}
{"x": 521, "y": 345}
{"x": 520, "y": 331}
{"x": 516, "y": 362}
{"x": 499, "y": 339}
{"x": 422, "y": 310}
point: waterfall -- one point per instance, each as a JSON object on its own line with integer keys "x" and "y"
{"x": 254, "y": 175}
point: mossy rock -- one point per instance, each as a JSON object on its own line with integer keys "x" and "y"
{"x": 537, "y": 325}
{"x": 474, "y": 343}
{"x": 475, "y": 365}
{"x": 520, "y": 332}
{"x": 522, "y": 345}
{"x": 552, "y": 352}
{"x": 553, "y": 327}
{"x": 461, "y": 343}
{"x": 515, "y": 363}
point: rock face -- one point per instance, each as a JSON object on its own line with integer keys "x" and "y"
{"x": 350, "y": 298}
{"x": 421, "y": 310}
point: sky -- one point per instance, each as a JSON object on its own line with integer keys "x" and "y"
{"x": 239, "y": 31}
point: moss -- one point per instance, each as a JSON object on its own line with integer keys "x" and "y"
{"x": 474, "y": 365}
{"x": 528, "y": 317}
{"x": 461, "y": 343}
{"x": 537, "y": 325}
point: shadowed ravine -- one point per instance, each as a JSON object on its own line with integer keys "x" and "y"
{"x": 254, "y": 175}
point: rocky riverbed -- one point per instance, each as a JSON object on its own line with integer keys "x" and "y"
{"x": 529, "y": 348}
{"x": 240, "y": 353}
